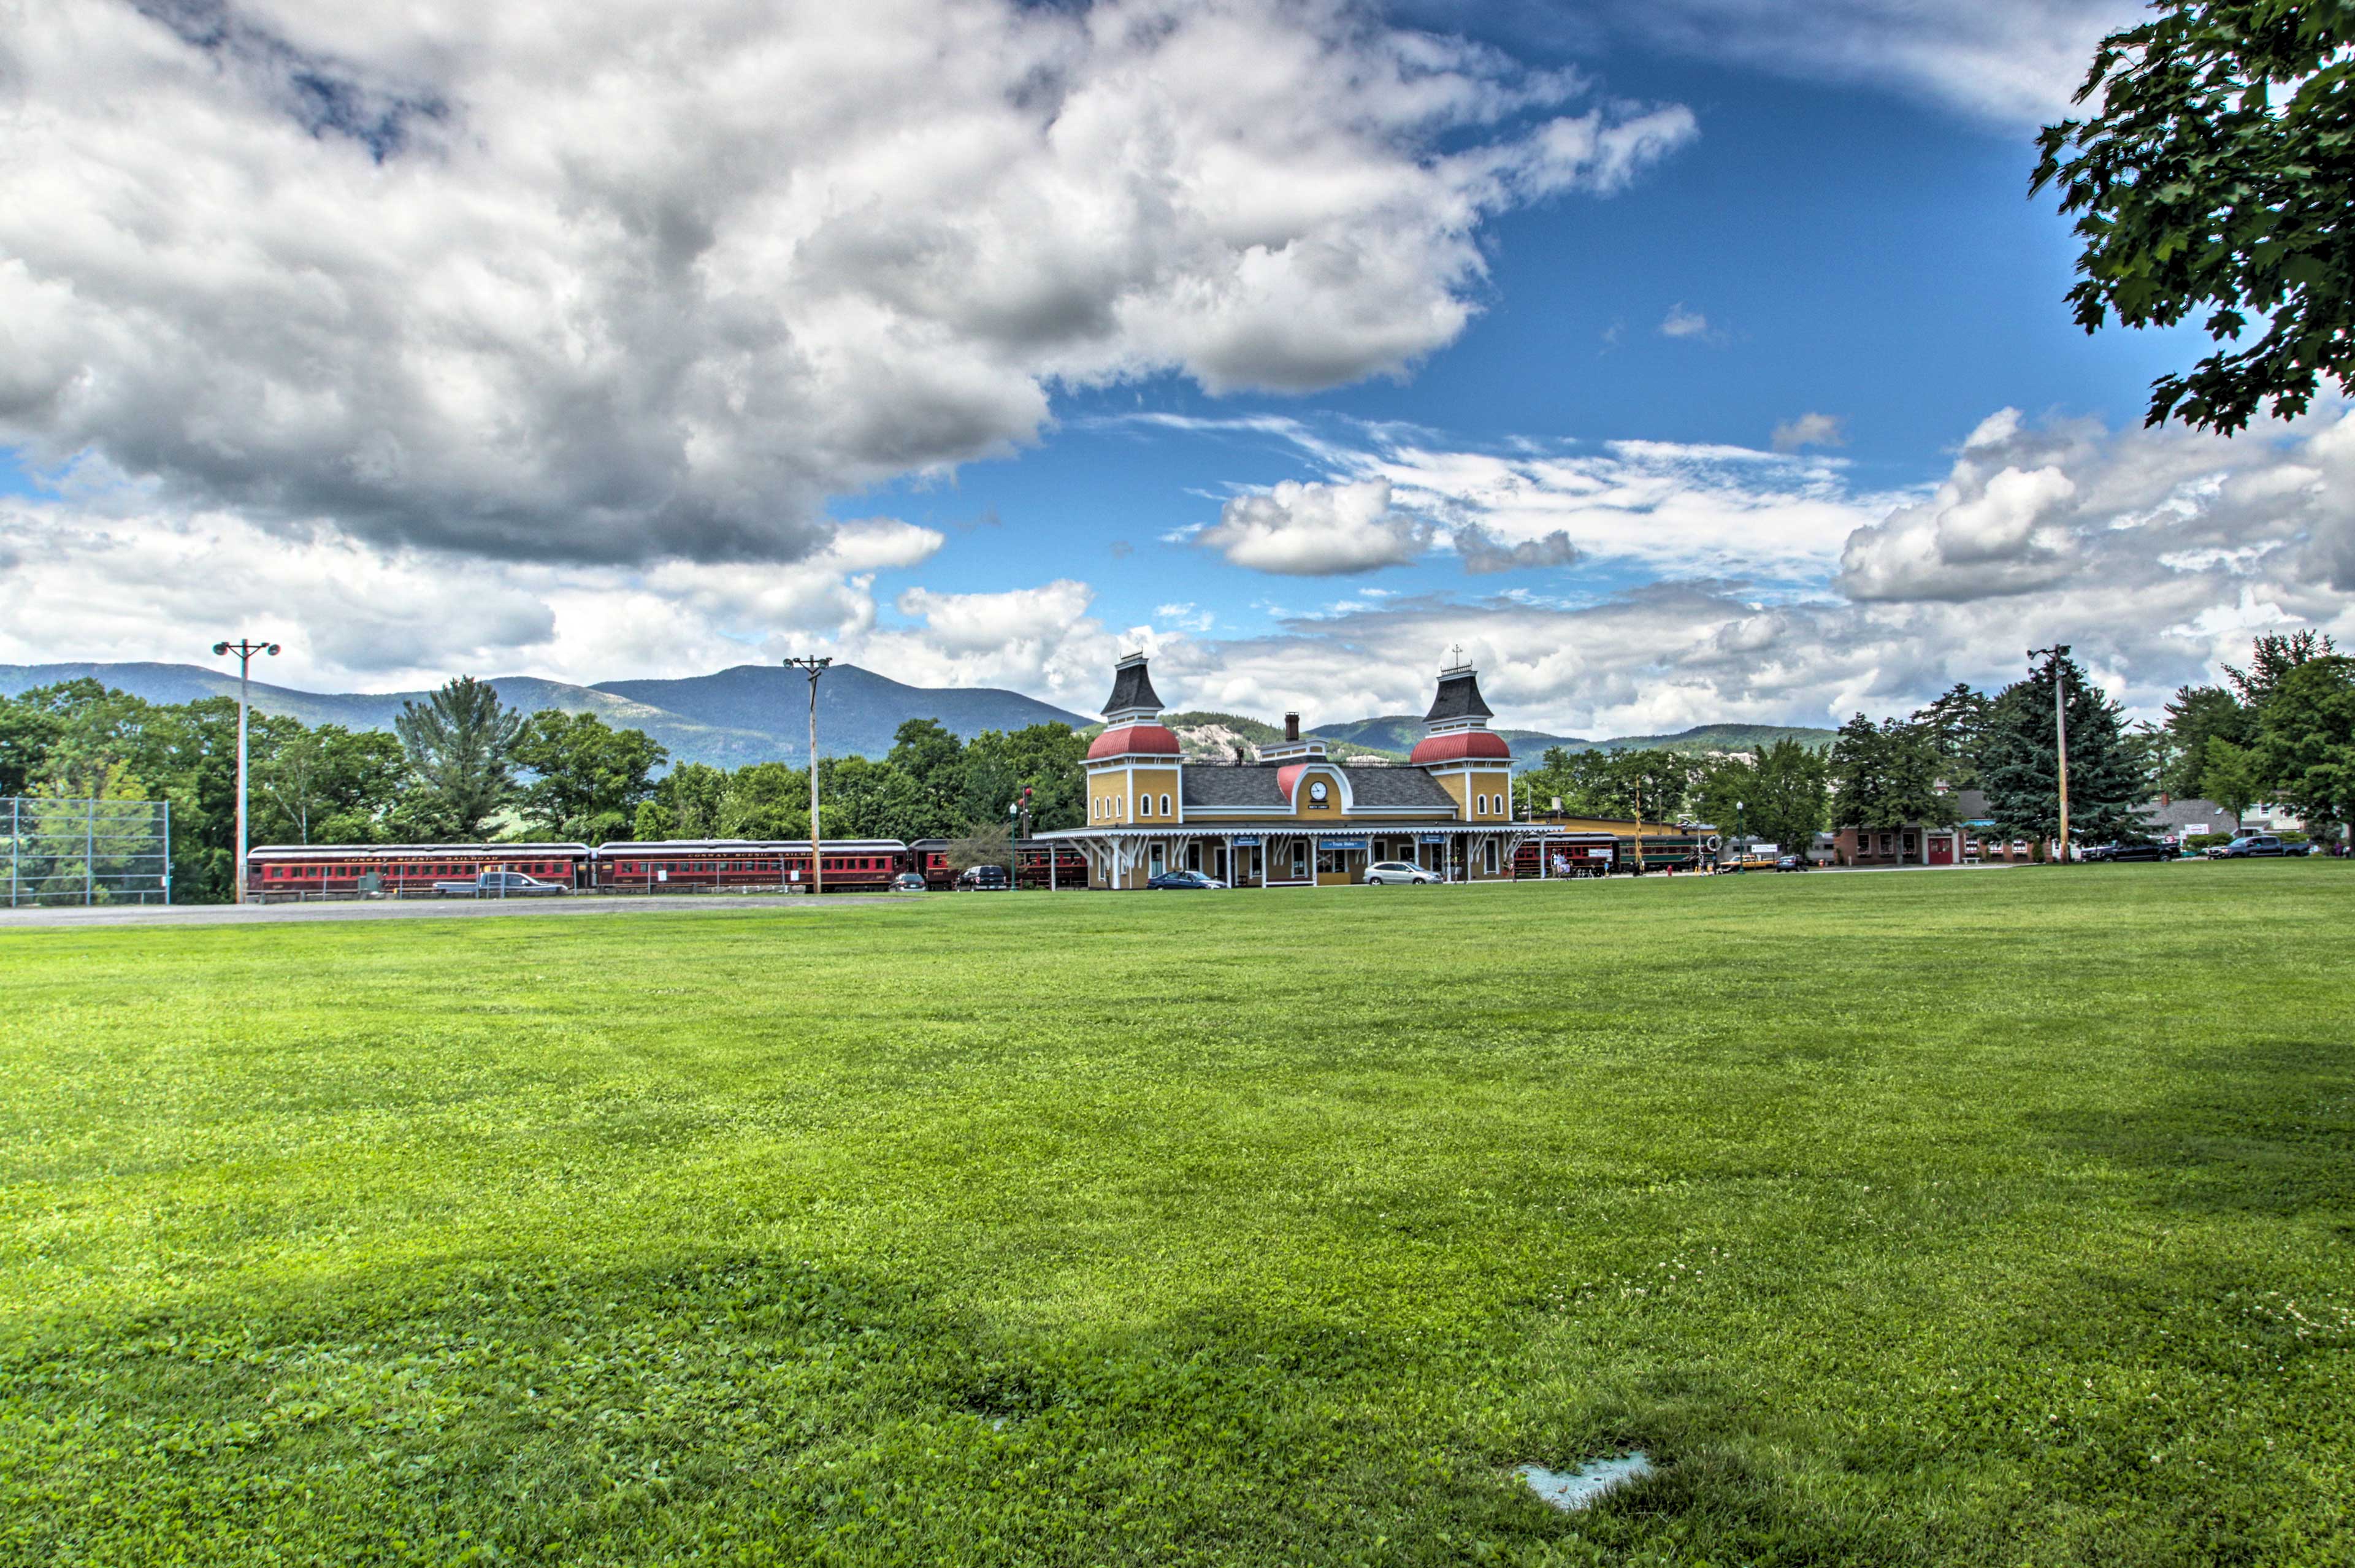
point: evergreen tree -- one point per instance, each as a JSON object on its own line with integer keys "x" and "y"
{"x": 1956, "y": 725}
{"x": 461, "y": 744}
{"x": 1853, "y": 772}
{"x": 1885, "y": 775}
{"x": 2199, "y": 714}
{"x": 2019, "y": 770}
{"x": 2271, "y": 657}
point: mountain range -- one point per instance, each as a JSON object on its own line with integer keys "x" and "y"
{"x": 1398, "y": 732}
{"x": 753, "y": 713}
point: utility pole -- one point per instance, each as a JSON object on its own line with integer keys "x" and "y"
{"x": 244, "y": 650}
{"x": 816, "y": 666}
{"x": 2057, "y": 652}
{"x": 1022, "y": 806}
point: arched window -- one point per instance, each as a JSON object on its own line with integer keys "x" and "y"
{"x": 1165, "y": 806}
{"x": 1144, "y": 806}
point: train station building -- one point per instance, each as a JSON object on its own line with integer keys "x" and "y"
{"x": 1294, "y": 817}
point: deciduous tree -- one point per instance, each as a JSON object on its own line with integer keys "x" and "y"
{"x": 2230, "y": 773}
{"x": 588, "y": 778}
{"x": 328, "y": 785}
{"x": 693, "y": 802}
{"x": 2212, "y": 176}
{"x": 2305, "y": 755}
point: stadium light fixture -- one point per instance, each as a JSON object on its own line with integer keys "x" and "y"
{"x": 244, "y": 650}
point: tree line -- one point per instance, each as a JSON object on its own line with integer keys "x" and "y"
{"x": 2282, "y": 730}
{"x": 462, "y": 766}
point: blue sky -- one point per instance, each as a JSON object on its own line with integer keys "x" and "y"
{"x": 1856, "y": 251}
{"x": 976, "y": 343}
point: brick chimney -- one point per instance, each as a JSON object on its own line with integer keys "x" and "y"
{"x": 1291, "y": 729}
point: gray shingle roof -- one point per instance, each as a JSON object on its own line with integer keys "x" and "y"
{"x": 1383, "y": 789}
{"x": 1254, "y": 786}
{"x": 1458, "y": 698}
{"x": 2180, "y": 814}
{"x": 1131, "y": 687}
{"x": 1223, "y": 784}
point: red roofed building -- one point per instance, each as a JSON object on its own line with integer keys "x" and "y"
{"x": 1292, "y": 816}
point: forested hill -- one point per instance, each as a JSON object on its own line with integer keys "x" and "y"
{"x": 1400, "y": 731}
{"x": 749, "y": 714}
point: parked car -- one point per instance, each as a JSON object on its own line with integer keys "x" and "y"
{"x": 499, "y": 885}
{"x": 1793, "y": 863}
{"x": 982, "y": 878}
{"x": 1383, "y": 872}
{"x": 2250, "y": 844}
{"x": 1185, "y": 881}
{"x": 2145, "y": 849}
{"x": 908, "y": 882}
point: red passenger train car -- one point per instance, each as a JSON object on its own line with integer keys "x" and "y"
{"x": 716, "y": 865}
{"x": 292, "y": 870}
{"x": 1068, "y": 871}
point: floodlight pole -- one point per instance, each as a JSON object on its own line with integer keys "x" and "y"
{"x": 2059, "y": 651}
{"x": 816, "y": 666}
{"x": 244, "y": 650}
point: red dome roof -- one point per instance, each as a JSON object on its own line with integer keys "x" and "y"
{"x": 1462, "y": 746}
{"x": 1132, "y": 738}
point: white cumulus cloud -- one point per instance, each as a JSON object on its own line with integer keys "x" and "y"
{"x": 1810, "y": 430}
{"x": 1316, "y": 529}
{"x": 600, "y": 283}
{"x": 1682, "y": 323}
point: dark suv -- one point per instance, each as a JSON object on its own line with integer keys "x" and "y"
{"x": 982, "y": 878}
{"x": 2252, "y": 844}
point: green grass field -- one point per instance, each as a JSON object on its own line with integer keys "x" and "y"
{"x": 2001, "y": 1218}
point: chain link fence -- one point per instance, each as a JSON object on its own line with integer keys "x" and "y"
{"x": 85, "y": 851}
